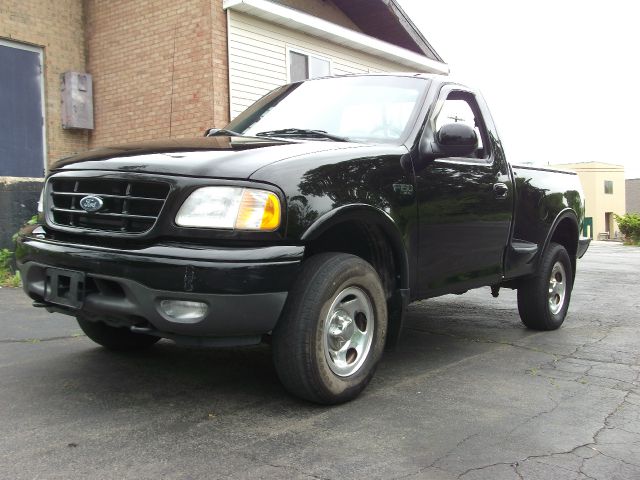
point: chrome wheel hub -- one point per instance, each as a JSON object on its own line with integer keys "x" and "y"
{"x": 348, "y": 331}
{"x": 557, "y": 288}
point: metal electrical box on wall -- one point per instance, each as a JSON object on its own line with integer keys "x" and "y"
{"x": 77, "y": 100}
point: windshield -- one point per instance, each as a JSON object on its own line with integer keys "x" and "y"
{"x": 361, "y": 109}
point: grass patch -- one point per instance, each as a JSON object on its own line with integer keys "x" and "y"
{"x": 8, "y": 277}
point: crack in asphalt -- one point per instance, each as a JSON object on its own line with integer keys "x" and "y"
{"x": 594, "y": 441}
{"x": 592, "y": 445}
{"x": 288, "y": 467}
{"x": 637, "y": 465}
{"x": 517, "y": 463}
{"x": 486, "y": 340}
{"x": 39, "y": 340}
{"x": 574, "y": 355}
{"x": 440, "y": 458}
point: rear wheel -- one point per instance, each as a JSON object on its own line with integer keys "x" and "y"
{"x": 331, "y": 335}
{"x": 543, "y": 299}
{"x": 115, "y": 338}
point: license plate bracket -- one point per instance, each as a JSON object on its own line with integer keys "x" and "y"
{"x": 64, "y": 287}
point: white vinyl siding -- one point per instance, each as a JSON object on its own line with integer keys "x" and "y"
{"x": 258, "y": 58}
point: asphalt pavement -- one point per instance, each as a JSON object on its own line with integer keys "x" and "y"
{"x": 470, "y": 393}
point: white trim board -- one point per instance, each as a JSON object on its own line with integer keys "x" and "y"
{"x": 317, "y": 27}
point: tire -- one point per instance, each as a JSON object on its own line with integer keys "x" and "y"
{"x": 332, "y": 331}
{"x": 543, "y": 299}
{"x": 115, "y": 338}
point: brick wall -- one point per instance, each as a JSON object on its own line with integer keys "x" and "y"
{"x": 57, "y": 27}
{"x": 159, "y": 68}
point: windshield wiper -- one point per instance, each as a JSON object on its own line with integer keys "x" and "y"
{"x": 302, "y": 132}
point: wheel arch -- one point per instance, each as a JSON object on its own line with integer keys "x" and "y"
{"x": 375, "y": 224}
{"x": 564, "y": 231}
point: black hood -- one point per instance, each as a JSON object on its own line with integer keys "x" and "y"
{"x": 220, "y": 157}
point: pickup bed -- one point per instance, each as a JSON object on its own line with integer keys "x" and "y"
{"x": 310, "y": 222}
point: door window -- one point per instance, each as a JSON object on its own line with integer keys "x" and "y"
{"x": 461, "y": 107}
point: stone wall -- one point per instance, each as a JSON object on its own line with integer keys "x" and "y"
{"x": 19, "y": 200}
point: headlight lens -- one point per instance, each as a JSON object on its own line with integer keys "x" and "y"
{"x": 230, "y": 207}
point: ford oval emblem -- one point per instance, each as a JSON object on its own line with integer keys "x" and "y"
{"x": 91, "y": 203}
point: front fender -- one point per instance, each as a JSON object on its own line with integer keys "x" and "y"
{"x": 371, "y": 216}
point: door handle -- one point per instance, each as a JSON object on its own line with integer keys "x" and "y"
{"x": 500, "y": 190}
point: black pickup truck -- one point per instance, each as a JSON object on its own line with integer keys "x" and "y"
{"x": 309, "y": 222}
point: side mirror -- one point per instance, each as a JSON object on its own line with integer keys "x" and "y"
{"x": 456, "y": 140}
{"x": 210, "y": 131}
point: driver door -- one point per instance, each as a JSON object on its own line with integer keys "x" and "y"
{"x": 464, "y": 203}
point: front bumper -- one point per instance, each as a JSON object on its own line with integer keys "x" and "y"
{"x": 244, "y": 288}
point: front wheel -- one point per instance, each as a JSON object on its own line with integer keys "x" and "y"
{"x": 331, "y": 335}
{"x": 543, "y": 299}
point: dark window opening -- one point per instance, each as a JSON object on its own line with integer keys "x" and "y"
{"x": 608, "y": 186}
{"x": 304, "y": 67}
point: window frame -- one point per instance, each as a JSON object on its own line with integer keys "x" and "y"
{"x": 476, "y": 107}
{"x": 307, "y": 53}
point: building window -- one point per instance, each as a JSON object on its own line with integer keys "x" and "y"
{"x": 608, "y": 186}
{"x": 303, "y": 66}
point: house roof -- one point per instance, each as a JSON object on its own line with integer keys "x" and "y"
{"x": 391, "y": 35}
{"x": 385, "y": 20}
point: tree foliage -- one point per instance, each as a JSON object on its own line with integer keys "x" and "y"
{"x": 629, "y": 225}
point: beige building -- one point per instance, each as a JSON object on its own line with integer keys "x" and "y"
{"x": 604, "y": 190}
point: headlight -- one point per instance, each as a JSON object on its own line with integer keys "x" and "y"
{"x": 230, "y": 207}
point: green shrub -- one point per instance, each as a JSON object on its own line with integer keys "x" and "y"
{"x": 629, "y": 225}
{"x": 6, "y": 256}
{"x": 8, "y": 278}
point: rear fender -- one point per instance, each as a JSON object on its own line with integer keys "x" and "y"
{"x": 569, "y": 216}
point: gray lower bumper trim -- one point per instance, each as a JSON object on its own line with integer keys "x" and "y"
{"x": 228, "y": 315}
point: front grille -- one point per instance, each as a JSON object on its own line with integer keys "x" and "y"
{"x": 129, "y": 206}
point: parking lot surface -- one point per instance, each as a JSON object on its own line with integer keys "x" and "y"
{"x": 469, "y": 393}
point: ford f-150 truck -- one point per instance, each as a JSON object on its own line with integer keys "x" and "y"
{"x": 311, "y": 221}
